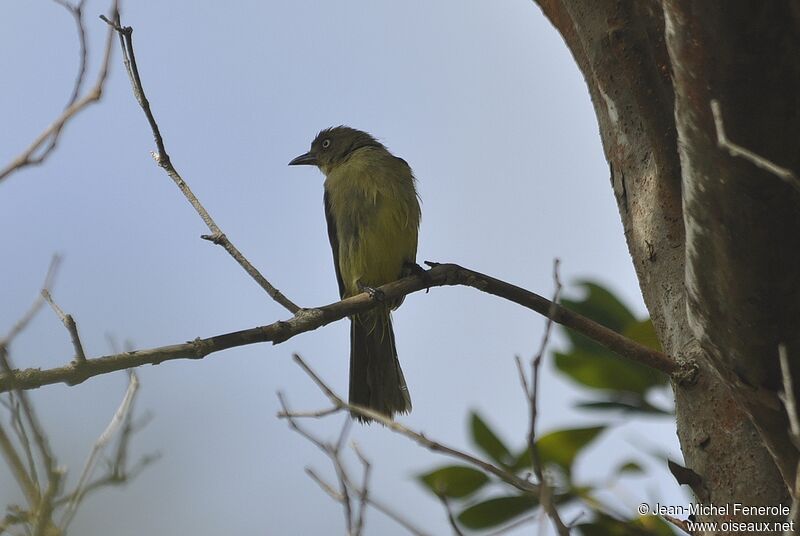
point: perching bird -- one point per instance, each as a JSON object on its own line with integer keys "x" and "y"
{"x": 373, "y": 214}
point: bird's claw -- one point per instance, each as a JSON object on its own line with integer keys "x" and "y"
{"x": 374, "y": 293}
{"x": 412, "y": 268}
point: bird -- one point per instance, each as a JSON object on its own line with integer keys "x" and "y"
{"x": 372, "y": 210}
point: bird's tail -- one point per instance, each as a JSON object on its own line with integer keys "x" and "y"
{"x": 376, "y": 380}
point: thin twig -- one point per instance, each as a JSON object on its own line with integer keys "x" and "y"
{"x": 789, "y": 401}
{"x": 163, "y": 160}
{"x": 336, "y": 452}
{"x": 326, "y": 487}
{"x": 113, "y": 478}
{"x": 21, "y": 432}
{"x": 20, "y": 407}
{"x": 315, "y": 414}
{"x": 450, "y": 517}
{"x": 52, "y": 133}
{"x": 418, "y": 437}
{"x": 14, "y": 461}
{"x": 787, "y": 396}
{"x": 333, "y": 452}
{"x": 77, "y": 14}
{"x": 364, "y": 495}
{"x": 532, "y": 394}
{"x": 39, "y": 437}
{"x": 69, "y": 323}
{"x": 120, "y": 417}
{"x": 310, "y": 319}
{"x": 25, "y": 319}
{"x": 40, "y": 503}
{"x": 785, "y": 174}
{"x": 43, "y": 524}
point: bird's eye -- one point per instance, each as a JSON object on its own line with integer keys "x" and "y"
{"x": 326, "y": 143}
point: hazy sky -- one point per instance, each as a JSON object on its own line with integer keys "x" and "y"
{"x": 481, "y": 98}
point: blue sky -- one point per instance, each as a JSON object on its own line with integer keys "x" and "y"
{"x": 482, "y": 99}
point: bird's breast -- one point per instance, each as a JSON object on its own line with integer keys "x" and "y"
{"x": 376, "y": 218}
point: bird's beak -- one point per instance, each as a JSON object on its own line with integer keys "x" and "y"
{"x": 307, "y": 159}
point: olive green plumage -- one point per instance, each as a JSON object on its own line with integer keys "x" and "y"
{"x": 373, "y": 215}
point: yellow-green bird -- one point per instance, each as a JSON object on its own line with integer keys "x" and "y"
{"x": 373, "y": 214}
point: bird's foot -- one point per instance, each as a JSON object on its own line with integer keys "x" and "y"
{"x": 374, "y": 293}
{"x": 412, "y": 268}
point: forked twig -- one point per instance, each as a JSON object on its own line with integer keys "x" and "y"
{"x": 163, "y": 160}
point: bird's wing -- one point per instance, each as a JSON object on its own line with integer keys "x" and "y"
{"x": 333, "y": 236}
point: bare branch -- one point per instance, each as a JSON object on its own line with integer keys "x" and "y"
{"x": 450, "y": 517}
{"x": 788, "y": 394}
{"x": 43, "y": 523}
{"x": 353, "y": 521}
{"x": 14, "y": 461}
{"x": 77, "y": 13}
{"x": 69, "y": 323}
{"x": 735, "y": 150}
{"x": 22, "y": 412}
{"x": 397, "y": 518}
{"x": 20, "y": 430}
{"x": 788, "y": 399}
{"x": 310, "y": 319}
{"x": 39, "y": 437}
{"x": 364, "y": 495}
{"x": 120, "y": 417}
{"x": 163, "y": 160}
{"x": 341, "y": 475}
{"x": 43, "y": 498}
{"x": 327, "y": 488}
{"x": 532, "y": 394}
{"x": 113, "y": 478}
{"x": 25, "y": 417}
{"x": 26, "y": 318}
{"x": 418, "y": 437}
{"x": 48, "y": 139}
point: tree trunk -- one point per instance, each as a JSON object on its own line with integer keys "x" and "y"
{"x": 715, "y": 240}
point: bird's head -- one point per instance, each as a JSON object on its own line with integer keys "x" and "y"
{"x": 333, "y": 146}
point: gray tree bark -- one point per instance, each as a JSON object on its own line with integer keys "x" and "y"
{"x": 715, "y": 240}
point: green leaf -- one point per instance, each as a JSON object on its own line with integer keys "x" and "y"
{"x": 628, "y": 406}
{"x": 643, "y": 332}
{"x": 592, "y": 365}
{"x": 488, "y": 441}
{"x": 496, "y": 511}
{"x": 601, "y": 306}
{"x": 562, "y": 446}
{"x": 454, "y": 481}
{"x": 608, "y": 371}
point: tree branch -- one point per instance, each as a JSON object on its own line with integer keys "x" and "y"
{"x": 310, "y": 319}
{"x": 421, "y": 439}
{"x": 50, "y": 136}
{"x": 163, "y": 160}
{"x": 790, "y": 402}
{"x": 532, "y": 395}
{"x": 69, "y": 323}
{"x": 118, "y": 420}
{"x": 785, "y": 174}
{"x": 77, "y": 13}
{"x": 354, "y": 518}
{"x": 42, "y": 494}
